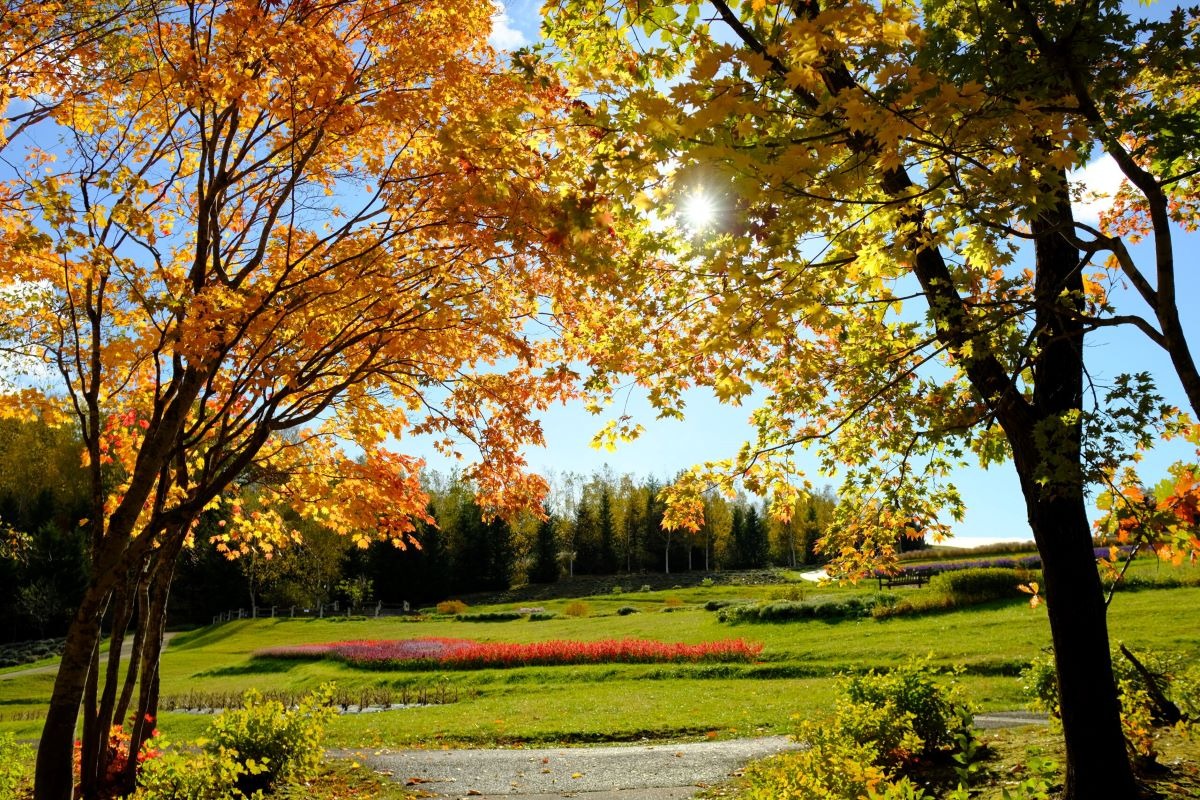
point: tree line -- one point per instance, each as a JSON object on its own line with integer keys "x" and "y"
{"x": 598, "y": 524}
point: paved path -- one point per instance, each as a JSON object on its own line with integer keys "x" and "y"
{"x": 50, "y": 669}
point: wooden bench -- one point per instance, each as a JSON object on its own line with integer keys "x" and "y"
{"x": 910, "y": 579}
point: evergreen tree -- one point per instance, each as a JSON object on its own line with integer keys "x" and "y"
{"x": 545, "y": 553}
{"x": 606, "y": 528}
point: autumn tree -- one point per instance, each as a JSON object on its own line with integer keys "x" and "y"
{"x": 894, "y": 261}
{"x": 240, "y": 234}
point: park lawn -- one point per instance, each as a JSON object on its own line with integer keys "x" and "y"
{"x": 795, "y": 675}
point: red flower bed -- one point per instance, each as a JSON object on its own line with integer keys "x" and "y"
{"x": 467, "y": 654}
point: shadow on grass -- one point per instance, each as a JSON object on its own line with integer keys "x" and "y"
{"x": 257, "y": 666}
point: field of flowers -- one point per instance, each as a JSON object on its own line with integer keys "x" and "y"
{"x": 444, "y": 653}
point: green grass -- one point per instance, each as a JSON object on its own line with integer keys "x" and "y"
{"x": 795, "y": 676}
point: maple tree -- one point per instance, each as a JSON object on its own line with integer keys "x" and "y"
{"x": 895, "y": 266}
{"x": 247, "y": 245}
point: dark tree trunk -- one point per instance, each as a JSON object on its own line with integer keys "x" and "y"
{"x": 1047, "y": 451}
{"x": 53, "y": 775}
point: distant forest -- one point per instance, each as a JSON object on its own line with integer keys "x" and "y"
{"x": 601, "y": 524}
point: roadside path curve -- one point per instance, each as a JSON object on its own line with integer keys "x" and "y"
{"x": 50, "y": 669}
{"x": 651, "y": 771}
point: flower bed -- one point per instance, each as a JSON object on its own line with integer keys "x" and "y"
{"x": 467, "y": 654}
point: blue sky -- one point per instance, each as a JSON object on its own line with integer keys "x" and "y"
{"x": 995, "y": 509}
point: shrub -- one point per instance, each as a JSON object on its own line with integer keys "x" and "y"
{"x": 14, "y": 765}
{"x": 618, "y": 589}
{"x": 865, "y": 750}
{"x": 673, "y": 602}
{"x": 196, "y": 776}
{"x": 625, "y": 611}
{"x": 451, "y": 607}
{"x": 285, "y": 743}
{"x": 982, "y": 585}
{"x": 542, "y": 616}
{"x": 1140, "y": 716}
{"x": 707, "y": 583}
{"x": 792, "y": 592}
{"x": 577, "y": 608}
{"x": 937, "y": 715}
{"x": 645, "y": 587}
{"x": 788, "y": 610}
{"x": 490, "y": 616}
{"x": 717, "y": 605}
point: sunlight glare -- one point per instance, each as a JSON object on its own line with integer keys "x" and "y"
{"x": 698, "y": 211}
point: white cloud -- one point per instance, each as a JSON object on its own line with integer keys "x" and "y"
{"x": 504, "y": 35}
{"x": 1099, "y": 182}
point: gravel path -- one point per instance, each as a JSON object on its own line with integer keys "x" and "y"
{"x": 625, "y": 772}
{"x": 658, "y": 771}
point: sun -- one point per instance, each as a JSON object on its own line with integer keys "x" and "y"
{"x": 698, "y": 211}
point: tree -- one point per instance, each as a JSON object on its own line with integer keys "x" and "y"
{"x": 264, "y": 228}
{"x": 545, "y": 567}
{"x": 897, "y": 263}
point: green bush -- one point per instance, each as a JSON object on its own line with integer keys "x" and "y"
{"x": 874, "y": 738}
{"x": 717, "y": 605}
{"x": 935, "y": 714}
{"x": 982, "y": 584}
{"x": 15, "y": 760}
{"x": 542, "y": 616}
{"x": 285, "y": 743}
{"x": 1178, "y": 679}
{"x": 490, "y": 616}
{"x": 625, "y": 611}
{"x": 788, "y": 610}
{"x": 196, "y": 776}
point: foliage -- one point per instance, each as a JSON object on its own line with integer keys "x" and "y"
{"x": 625, "y": 611}
{"x": 467, "y": 654}
{"x": 270, "y": 742}
{"x": 1176, "y": 678}
{"x": 451, "y": 607}
{"x": 981, "y": 584}
{"x": 935, "y": 714}
{"x": 883, "y": 725}
{"x": 490, "y": 616}
{"x": 207, "y": 775}
{"x": 786, "y": 610}
{"x": 577, "y": 608}
{"x": 14, "y": 760}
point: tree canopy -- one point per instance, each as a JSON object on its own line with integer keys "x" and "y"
{"x": 894, "y": 262}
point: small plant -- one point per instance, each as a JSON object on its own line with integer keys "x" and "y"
{"x": 542, "y": 616}
{"x": 673, "y": 602}
{"x": 645, "y": 588}
{"x": 625, "y": 611}
{"x": 14, "y": 762}
{"x": 707, "y": 583}
{"x": 451, "y": 607}
{"x": 577, "y": 608}
{"x": 618, "y": 589}
{"x": 196, "y": 776}
{"x": 285, "y": 743}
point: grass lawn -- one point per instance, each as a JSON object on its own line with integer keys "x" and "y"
{"x": 795, "y": 675}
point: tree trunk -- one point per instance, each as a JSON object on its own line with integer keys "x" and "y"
{"x": 1047, "y": 451}
{"x": 53, "y": 775}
